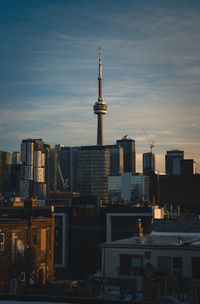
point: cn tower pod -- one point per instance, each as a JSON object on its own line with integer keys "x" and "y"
{"x": 100, "y": 107}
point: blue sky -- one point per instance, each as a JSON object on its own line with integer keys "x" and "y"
{"x": 151, "y": 73}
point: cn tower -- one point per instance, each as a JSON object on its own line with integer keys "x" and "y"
{"x": 100, "y": 107}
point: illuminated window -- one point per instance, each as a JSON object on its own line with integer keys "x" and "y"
{"x": 2, "y": 241}
{"x": 43, "y": 239}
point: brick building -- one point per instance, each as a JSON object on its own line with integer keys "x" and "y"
{"x": 26, "y": 247}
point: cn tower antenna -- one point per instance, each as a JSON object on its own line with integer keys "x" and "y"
{"x": 100, "y": 107}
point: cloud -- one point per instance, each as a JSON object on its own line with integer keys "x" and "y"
{"x": 151, "y": 63}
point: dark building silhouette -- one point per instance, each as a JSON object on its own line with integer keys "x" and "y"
{"x": 183, "y": 190}
{"x": 148, "y": 163}
{"x": 173, "y": 162}
{"x": 15, "y": 178}
{"x": 128, "y": 145}
{"x": 188, "y": 167}
{"x": 5, "y": 171}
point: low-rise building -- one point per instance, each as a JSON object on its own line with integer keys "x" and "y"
{"x": 128, "y": 187}
{"x": 160, "y": 257}
{"x": 26, "y": 247}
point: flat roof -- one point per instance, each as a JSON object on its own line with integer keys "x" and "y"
{"x": 157, "y": 241}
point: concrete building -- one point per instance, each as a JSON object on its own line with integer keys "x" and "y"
{"x": 32, "y": 182}
{"x": 26, "y": 247}
{"x": 148, "y": 163}
{"x": 128, "y": 145}
{"x": 100, "y": 107}
{"x": 94, "y": 164}
{"x": 128, "y": 187}
{"x": 173, "y": 162}
{"x": 5, "y": 171}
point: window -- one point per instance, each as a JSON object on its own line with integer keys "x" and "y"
{"x": 177, "y": 267}
{"x": 22, "y": 276}
{"x": 14, "y": 246}
{"x": 170, "y": 266}
{"x": 34, "y": 236}
{"x": 2, "y": 241}
{"x": 196, "y": 268}
{"x": 131, "y": 265}
{"x": 43, "y": 239}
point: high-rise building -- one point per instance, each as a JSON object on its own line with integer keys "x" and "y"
{"x": 128, "y": 145}
{"x": 188, "y": 167}
{"x": 148, "y": 163}
{"x": 94, "y": 163}
{"x": 65, "y": 163}
{"x": 5, "y": 171}
{"x": 32, "y": 183}
{"x": 15, "y": 158}
{"x": 100, "y": 107}
{"x": 116, "y": 159}
{"x": 173, "y": 162}
{"x": 51, "y": 164}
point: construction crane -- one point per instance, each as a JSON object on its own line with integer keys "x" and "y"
{"x": 64, "y": 183}
{"x": 151, "y": 144}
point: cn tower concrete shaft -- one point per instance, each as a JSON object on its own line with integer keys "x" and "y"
{"x": 100, "y": 107}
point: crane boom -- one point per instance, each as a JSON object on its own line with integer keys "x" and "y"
{"x": 151, "y": 144}
{"x": 64, "y": 183}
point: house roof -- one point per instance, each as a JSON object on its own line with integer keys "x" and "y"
{"x": 158, "y": 241}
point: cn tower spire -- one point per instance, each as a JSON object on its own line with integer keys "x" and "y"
{"x": 100, "y": 107}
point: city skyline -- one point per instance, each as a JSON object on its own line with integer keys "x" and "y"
{"x": 151, "y": 71}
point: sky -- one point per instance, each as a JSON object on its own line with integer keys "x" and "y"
{"x": 151, "y": 73}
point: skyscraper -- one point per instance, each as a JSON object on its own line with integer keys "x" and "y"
{"x": 116, "y": 159}
{"x": 32, "y": 183}
{"x": 94, "y": 163}
{"x": 15, "y": 158}
{"x": 128, "y": 145}
{"x": 173, "y": 162}
{"x": 51, "y": 164}
{"x": 148, "y": 163}
{"x": 100, "y": 107}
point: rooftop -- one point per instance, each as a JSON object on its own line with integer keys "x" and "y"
{"x": 158, "y": 241}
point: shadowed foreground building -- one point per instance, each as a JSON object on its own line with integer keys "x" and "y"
{"x": 26, "y": 247}
{"x": 5, "y": 171}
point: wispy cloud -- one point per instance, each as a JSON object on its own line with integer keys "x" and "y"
{"x": 151, "y": 70}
